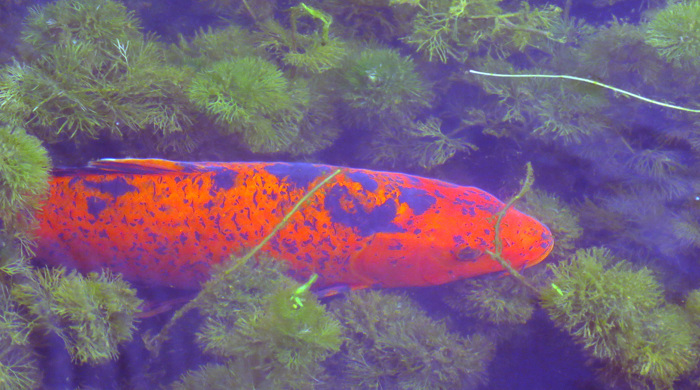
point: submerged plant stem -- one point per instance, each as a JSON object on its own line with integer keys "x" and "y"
{"x": 561, "y": 76}
{"x": 154, "y": 343}
{"x": 284, "y": 221}
{"x": 497, "y": 253}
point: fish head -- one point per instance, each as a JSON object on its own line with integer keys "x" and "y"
{"x": 454, "y": 239}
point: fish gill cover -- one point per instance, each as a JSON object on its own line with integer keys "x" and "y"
{"x": 384, "y": 85}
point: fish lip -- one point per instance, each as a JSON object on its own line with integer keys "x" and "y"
{"x": 544, "y": 254}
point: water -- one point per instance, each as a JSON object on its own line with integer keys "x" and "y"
{"x": 378, "y": 86}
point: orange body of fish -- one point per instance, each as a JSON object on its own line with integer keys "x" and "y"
{"x": 166, "y": 223}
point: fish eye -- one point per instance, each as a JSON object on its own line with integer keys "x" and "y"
{"x": 468, "y": 254}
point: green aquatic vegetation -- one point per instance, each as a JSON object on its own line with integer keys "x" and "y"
{"x": 325, "y": 19}
{"x": 74, "y": 22}
{"x": 280, "y": 340}
{"x": 432, "y": 146}
{"x": 553, "y": 111}
{"x": 640, "y": 219}
{"x": 675, "y": 33}
{"x": 210, "y": 45}
{"x": 24, "y": 183}
{"x": 692, "y": 305}
{"x": 569, "y": 117}
{"x": 311, "y": 53}
{"x": 657, "y": 173}
{"x": 561, "y": 220}
{"x": 391, "y": 343}
{"x": 233, "y": 9}
{"x": 241, "y": 290}
{"x": 14, "y": 260}
{"x": 657, "y": 163}
{"x": 251, "y": 96}
{"x": 660, "y": 173}
{"x": 416, "y": 143}
{"x": 616, "y": 52}
{"x": 18, "y": 362}
{"x": 373, "y": 20}
{"x": 619, "y": 315}
{"x": 381, "y": 85}
{"x": 661, "y": 349}
{"x": 447, "y": 29}
{"x": 686, "y": 134}
{"x": 599, "y": 298}
{"x": 93, "y": 314}
{"x": 87, "y": 83}
{"x": 499, "y": 301}
{"x": 436, "y": 30}
{"x": 264, "y": 326}
{"x": 685, "y": 227}
{"x": 215, "y": 377}
{"x": 318, "y": 129}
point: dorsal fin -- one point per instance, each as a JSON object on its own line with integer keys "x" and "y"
{"x": 138, "y": 165}
{"x": 135, "y": 166}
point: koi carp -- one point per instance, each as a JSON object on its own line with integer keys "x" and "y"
{"x": 166, "y": 223}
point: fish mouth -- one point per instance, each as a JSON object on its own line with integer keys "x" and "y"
{"x": 544, "y": 255}
{"x": 549, "y": 246}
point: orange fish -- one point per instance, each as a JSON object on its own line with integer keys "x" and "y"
{"x": 166, "y": 222}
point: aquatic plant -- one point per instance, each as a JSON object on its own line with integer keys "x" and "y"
{"x": 498, "y": 242}
{"x": 616, "y": 52}
{"x": 692, "y": 305}
{"x": 268, "y": 329}
{"x": 619, "y": 316}
{"x": 379, "y": 85}
{"x": 215, "y": 376}
{"x": 253, "y": 9}
{"x": 24, "y": 183}
{"x": 561, "y": 220}
{"x": 318, "y": 129}
{"x": 95, "y": 73}
{"x": 314, "y": 51}
{"x": 74, "y": 22}
{"x": 686, "y": 229}
{"x": 373, "y": 20}
{"x": 309, "y": 53}
{"x": 431, "y": 147}
{"x": 447, "y": 29}
{"x": 645, "y": 209}
{"x": 674, "y": 32}
{"x": 93, "y": 314}
{"x": 599, "y": 297}
{"x": 662, "y": 349}
{"x": 211, "y": 45}
{"x": 548, "y": 110}
{"x": 662, "y": 173}
{"x": 416, "y": 143}
{"x": 657, "y": 163}
{"x": 499, "y": 301}
{"x": 18, "y": 362}
{"x": 251, "y": 96}
{"x": 284, "y": 343}
{"x": 391, "y": 343}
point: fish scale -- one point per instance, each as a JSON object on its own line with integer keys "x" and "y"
{"x": 167, "y": 222}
